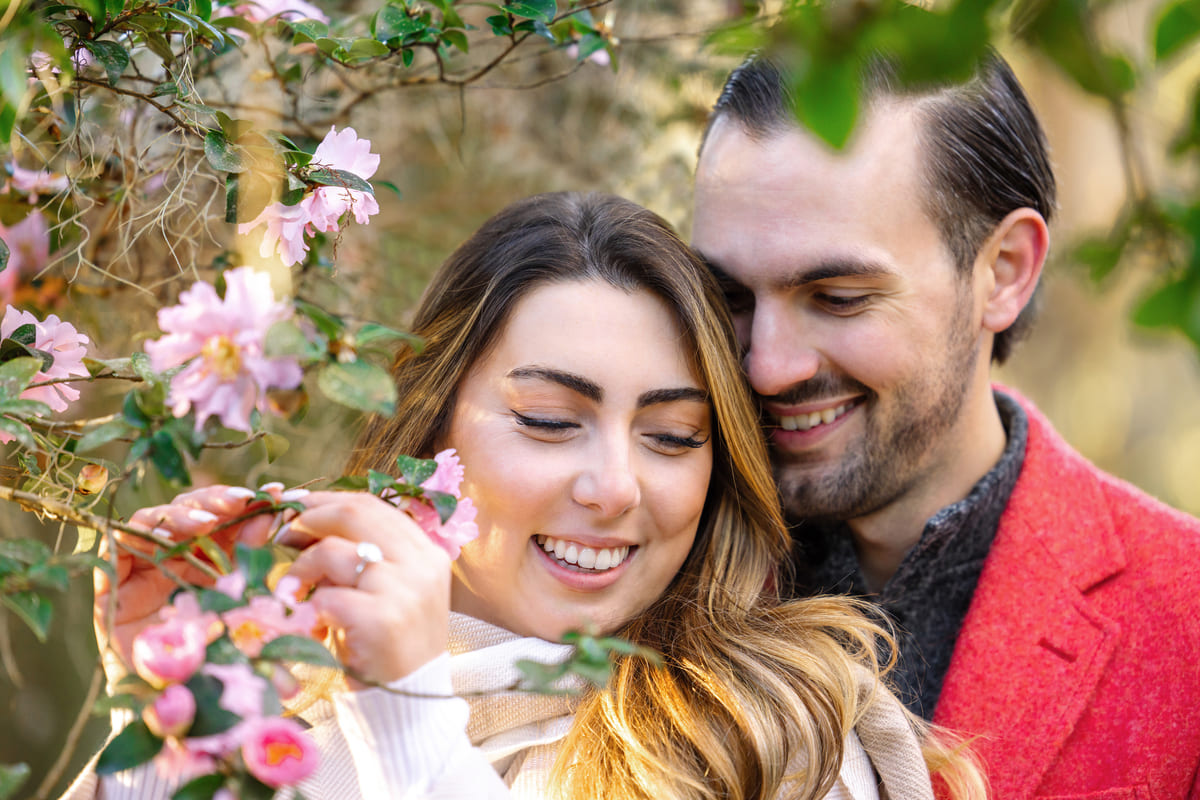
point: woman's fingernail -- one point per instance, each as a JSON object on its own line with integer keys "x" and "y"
{"x": 266, "y": 487}
{"x": 162, "y": 533}
{"x": 200, "y": 515}
{"x": 239, "y": 493}
{"x": 293, "y": 494}
{"x": 282, "y": 532}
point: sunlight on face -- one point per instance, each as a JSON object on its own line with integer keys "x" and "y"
{"x": 584, "y": 434}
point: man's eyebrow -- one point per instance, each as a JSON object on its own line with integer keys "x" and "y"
{"x": 838, "y": 268}
{"x": 655, "y": 396}
{"x": 576, "y": 383}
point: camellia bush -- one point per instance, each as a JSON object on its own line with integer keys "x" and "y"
{"x": 200, "y": 154}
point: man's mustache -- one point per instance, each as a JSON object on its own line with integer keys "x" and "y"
{"x": 821, "y": 386}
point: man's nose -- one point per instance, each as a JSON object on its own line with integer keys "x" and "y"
{"x": 778, "y": 355}
{"x": 609, "y": 484}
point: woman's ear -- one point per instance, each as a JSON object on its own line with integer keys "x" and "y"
{"x": 1012, "y": 258}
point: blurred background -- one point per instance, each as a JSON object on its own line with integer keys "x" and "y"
{"x": 1128, "y": 400}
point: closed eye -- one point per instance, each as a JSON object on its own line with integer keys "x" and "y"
{"x": 543, "y": 425}
{"x": 671, "y": 444}
{"x": 842, "y": 304}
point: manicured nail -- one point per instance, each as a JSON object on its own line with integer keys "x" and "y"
{"x": 293, "y": 494}
{"x": 161, "y": 532}
{"x": 200, "y": 515}
{"x": 266, "y": 487}
{"x": 282, "y": 532}
{"x": 239, "y": 493}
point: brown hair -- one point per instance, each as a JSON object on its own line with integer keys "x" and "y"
{"x": 750, "y": 685}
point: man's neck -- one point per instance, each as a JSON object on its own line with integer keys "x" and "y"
{"x": 973, "y": 446}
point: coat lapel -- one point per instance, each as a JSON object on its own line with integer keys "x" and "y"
{"x": 1032, "y": 648}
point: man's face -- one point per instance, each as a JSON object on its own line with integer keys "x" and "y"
{"x": 860, "y": 337}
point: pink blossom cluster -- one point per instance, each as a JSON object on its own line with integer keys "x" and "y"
{"x": 323, "y": 207}
{"x": 28, "y": 251}
{"x": 167, "y": 655}
{"x": 221, "y": 341}
{"x": 34, "y": 182}
{"x": 59, "y": 339}
{"x": 460, "y": 528}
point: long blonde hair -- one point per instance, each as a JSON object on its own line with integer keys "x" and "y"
{"x": 749, "y": 684}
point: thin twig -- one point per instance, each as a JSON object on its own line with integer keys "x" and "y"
{"x": 73, "y": 735}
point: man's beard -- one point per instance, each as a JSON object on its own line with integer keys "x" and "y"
{"x": 891, "y": 454}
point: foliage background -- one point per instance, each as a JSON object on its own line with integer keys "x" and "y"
{"x": 1127, "y": 398}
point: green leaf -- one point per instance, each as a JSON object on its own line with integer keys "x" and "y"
{"x": 501, "y": 24}
{"x": 827, "y": 100}
{"x": 391, "y": 22}
{"x": 276, "y": 446}
{"x": 1100, "y": 256}
{"x": 359, "y": 385}
{"x": 285, "y": 338}
{"x": 378, "y": 481}
{"x": 222, "y": 156}
{"x": 16, "y": 375}
{"x": 202, "y": 788}
{"x": 113, "y": 8}
{"x": 202, "y": 9}
{"x": 139, "y": 362}
{"x": 250, "y": 788}
{"x": 26, "y": 551}
{"x": 367, "y": 48}
{"x": 372, "y": 332}
{"x": 113, "y": 56}
{"x": 133, "y": 746}
{"x": 212, "y": 600}
{"x": 543, "y": 10}
{"x": 10, "y": 349}
{"x": 298, "y": 648}
{"x": 25, "y": 408}
{"x": 211, "y": 718}
{"x": 132, "y": 413}
{"x": 1177, "y": 27}
{"x": 168, "y": 87}
{"x": 167, "y": 459}
{"x": 330, "y": 326}
{"x": 231, "y": 197}
{"x": 221, "y": 650}
{"x": 213, "y": 552}
{"x": 307, "y": 30}
{"x": 11, "y": 778}
{"x": 324, "y": 176}
{"x": 255, "y": 563}
{"x": 415, "y": 471}
{"x": 458, "y": 39}
{"x": 19, "y": 431}
{"x": 4, "y": 253}
{"x": 443, "y": 503}
{"x": 349, "y": 483}
{"x": 33, "y": 609}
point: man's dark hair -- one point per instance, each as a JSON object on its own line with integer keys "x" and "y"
{"x": 984, "y": 152}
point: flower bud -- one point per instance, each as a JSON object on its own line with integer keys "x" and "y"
{"x": 172, "y": 713}
{"x": 92, "y": 479}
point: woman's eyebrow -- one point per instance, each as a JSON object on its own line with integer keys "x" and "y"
{"x": 655, "y": 396}
{"x": 576, "y": 383}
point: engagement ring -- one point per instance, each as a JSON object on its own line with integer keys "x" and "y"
{"x": 368, "y": 553}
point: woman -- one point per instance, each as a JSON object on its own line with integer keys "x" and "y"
{"x": 577, "y": 358}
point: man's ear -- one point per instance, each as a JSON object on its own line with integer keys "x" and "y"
{"x": 1012, "y": 257}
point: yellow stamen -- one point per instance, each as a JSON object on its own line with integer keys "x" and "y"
{"x": 222, "y": 357}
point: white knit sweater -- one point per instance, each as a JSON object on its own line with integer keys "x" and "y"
{"x": 455, "y": 729}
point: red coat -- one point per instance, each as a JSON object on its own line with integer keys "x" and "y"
{"x": 1078, "y": 665}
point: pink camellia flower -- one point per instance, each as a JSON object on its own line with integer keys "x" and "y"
{"x": 223, "y": 339}
{"x": 324, "y": 207}
{"x": 172, "y": 713}
{"x": 286, "y": 228}
{"x": 169, "y": 652}
{"x": 242, "y": 690}
{"x": 278, "y": 752}
{"x": 345, "y": 151}
{"x": 28, "y": 251}
{"x": 35, "y": 182}
{"x": 266, "y": 618}
{"x": 185, "y": 609}
{"x": 460, "y": 528}
{"x": 232, "y": 585}
{"x": 180, "y": 762}
{"x": 263, "y": 10}
{"x": 59, "y": 339}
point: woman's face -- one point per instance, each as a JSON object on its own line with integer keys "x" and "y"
{"x": 584, "y": 434}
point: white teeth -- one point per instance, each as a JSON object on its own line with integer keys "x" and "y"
{"x": 587, "y": 558}
{"x": 803, "y": 422}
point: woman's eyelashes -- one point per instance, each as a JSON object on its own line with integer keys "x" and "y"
{"x": 544, "y": 424}
{"x": 552, "y": 429}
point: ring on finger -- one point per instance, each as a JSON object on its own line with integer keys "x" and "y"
{"x": 368, "y": 553}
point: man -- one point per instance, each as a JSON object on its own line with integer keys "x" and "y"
{"x": 1047, "y": 611}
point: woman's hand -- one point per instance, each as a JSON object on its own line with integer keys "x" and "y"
{"x": 142, "y": 586}
{"x": 389, "y": 617}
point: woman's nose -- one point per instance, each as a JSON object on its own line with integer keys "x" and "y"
{"x": 609, "y": 484}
